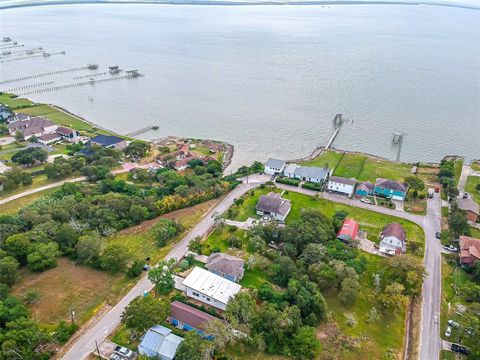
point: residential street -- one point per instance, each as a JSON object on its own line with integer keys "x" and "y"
{"x": 107, "y": 324}
{"x": 430, "y": 342}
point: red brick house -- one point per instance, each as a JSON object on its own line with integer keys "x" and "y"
{"x": 469, "y": 250}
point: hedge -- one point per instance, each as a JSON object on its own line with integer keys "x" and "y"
{"x": 288, "y": 181}
{"x": 312, "y": 186}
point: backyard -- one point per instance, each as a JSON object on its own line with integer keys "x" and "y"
{"x": 472, "y": 182}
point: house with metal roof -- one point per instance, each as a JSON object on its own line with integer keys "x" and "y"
{"x": 109, "y": 141}
{"x": 227, "y": 266}
{"x": 341, "y": 185}
{"x": 348, "y": 232}
{"x": 273, "y": 205}
{"x": 159, "y": 343}
{"x": 274, "y": 166}
{"x": 393, "y": 239}
{"x": 209, "y": 288}
{"x": 395, "y": 190}
{"x": 188, "y": 318}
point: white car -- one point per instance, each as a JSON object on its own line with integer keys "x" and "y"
{"x": 453, "y": 324}
{"x": 123, "y": 351}
{"x": 448, "y": 332}
{"x": 115, "y": 357}
{"x": 366, "y": 201}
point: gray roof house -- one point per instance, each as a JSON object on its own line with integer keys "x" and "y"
{"x": 273, "y": 205}
{"x": 274, "y": 166}
{"x": 311, "y": 173}
{"x": 33, "y": 126}
{"x": 227, "y": 266}
{"x": 393, "y": 239}
{"x": 159, "y": 343}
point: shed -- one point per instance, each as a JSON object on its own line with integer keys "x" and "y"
{"x": 159, "y": 342}
{"x": 349, "y": 231}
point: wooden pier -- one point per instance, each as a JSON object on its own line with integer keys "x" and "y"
{"x": 29, "y": 77}
{"x": 30, "y": 86}
{"x": 142, "y": 130}
{"x": 43, "y": 54}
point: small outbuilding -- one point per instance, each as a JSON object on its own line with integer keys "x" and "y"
{"x": 159, "y": 343}
{"x": 188, "y": 318}
{"x": 273, "y": 205}
{"x": 348, "y": 232}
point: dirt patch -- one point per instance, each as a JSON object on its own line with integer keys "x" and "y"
{"x": 68, "y": 286}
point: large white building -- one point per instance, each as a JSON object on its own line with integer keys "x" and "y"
{"x": 209, "y": 288}
{"x": 274, "y": 166}
{"x": 341, "y": 185}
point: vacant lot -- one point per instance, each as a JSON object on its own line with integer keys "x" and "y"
{"x": 86, "y": 290}
{"x": 329, "y": 158}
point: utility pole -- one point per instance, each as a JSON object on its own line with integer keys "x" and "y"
{"x": 72, "y": 316}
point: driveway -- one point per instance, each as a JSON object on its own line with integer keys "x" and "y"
{"x": 85, "y": 344}
{"x": 245, "y": 225}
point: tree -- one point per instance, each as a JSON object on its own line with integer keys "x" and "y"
{"x": 33, "y": 139}
{"x": 457, "y": 221}
{"x": 313, "y": 253}
{"x": 392, "y": 297}
{"x": 164, "y": 230}
{"x": 43, "y": 256}
{"x": 240, "y": 310}
{"x": 94, "y": 173}
{"x": 307, "y": 297}
{"x": 196, "y": 245}
{"x": 257, "y": 244}
{"x": 19, "y": 136}
{"x": 415, "y": 183}
{"x": 66, "y": 238}
{"x": 407, "y": 270}
{"x": 30, "y": 156}
{"x": 89, "y": 248}
{"x": 114, "y": 257}
{"x": 135, "y": 269}
{"x": 323, "y": 275}
{"x": 17, "y": 246}
{"x": 144, "y": 312}
{"x": 162, "y": 277}
{"x": 338, "y": 218}
{"x": 8, "y": 270}
{"x": 349, "y": 293}
{"x": 282, "y": 270}
{"x": 193, "y": 347}
{"x": 223, "y": 333}
{"x": 305, "y": 344}
{"x": 137, "y": 148}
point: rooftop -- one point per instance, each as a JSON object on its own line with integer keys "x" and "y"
{"x": 469, "y": 205}
{"x": 275, "y": 163}
{"x": 161, "y": 340}
{"x": 391, "y": 184}
{"x": 189, "y": 315}
{"x": 107, "y": 140}
{"x": 311, "y": 172}
{"x": 273, "y": 203}
{"x": 226, "y": 264}
{"x": 395, "y": 229}
{"x": 211, "y": 285}
{"x": 342, "y": 180}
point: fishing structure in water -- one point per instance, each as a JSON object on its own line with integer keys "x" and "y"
{"x": 51, "y": 73}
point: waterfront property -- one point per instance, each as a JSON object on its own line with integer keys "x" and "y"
{"x": 159, "y": 343}
{"x": 109, "y": 141}
{"x": 227, "y": 266}
{"x": 18, "y": 117}
{"x": 68, "y": 134}
{"x": 471, "y": 208}
{"x": 273, "y": 205}
{"x": 274, "y": 166}
{"x": 469, "y": 250}
{"x": 341, "y": 185}
{"x": 393, "y": 239}
{"x": 5, "y": 112}
{"x": 188, "y": 318}
{"x": 209, "y": 288}
{"x": 35, "y": 126}
{"x": 349, "y": 231}
{"x": 395, "y": 190}
{"x": 364, "y": 188}
{"x": 49, "y": 138}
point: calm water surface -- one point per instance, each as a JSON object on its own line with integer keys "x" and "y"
{"x": 268, "y": 79}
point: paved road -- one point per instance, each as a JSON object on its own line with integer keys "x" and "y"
{"x": 107, "y": 324}
{"x": 53, "y": 185}
{"x": 430, "y": 342}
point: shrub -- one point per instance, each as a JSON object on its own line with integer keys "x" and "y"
{"x": 135, "y": 269}
{"x": 288, "y": 181}
{"x": 312, "y": 186}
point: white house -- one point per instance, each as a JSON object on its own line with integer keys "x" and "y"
{"x": 311, "y": 173}
{"x": 393, "y": 239}
{"x": 209, "y": 288}
{"x": 273, "y": 205}
{"x": 341, "y": 185}
{"x": 289, "y": 170}
{"x": 274, "y": 166}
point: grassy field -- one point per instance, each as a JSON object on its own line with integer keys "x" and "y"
{"x": 473, "y": 181}
{"x": 13, "y": 102}
{"x": 13, "y": 206}
{"x": 350, "y": 166}
{"x": 329, "y": 158}
{"x": 474, "y": 232}
{"x": 38, "y": 181}
{"x": 86, "y": 290}
{"x": 385, "y": 334}
{"x": 475, "y": 166}
{"x": 458, "y": 170}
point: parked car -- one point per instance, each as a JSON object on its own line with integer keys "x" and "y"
{"x": 448, "y": 332}
{"x": 123, "y": 351}
{"x": 460, "y": 349}
{"x": 437, "y": 189}
{"x": 438, "y": 235}
{"x": 146, "y": 267}
{"x": 450, "y": 248}
{"x": 366, "y": 201}
{"x": 465, "y": 195}
{"x": 115, "y": 357}
{"x": 430, "y": 193}
{"x": 453, "y": 324}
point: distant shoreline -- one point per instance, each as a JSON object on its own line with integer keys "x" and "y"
{"x": 236, "y": 3}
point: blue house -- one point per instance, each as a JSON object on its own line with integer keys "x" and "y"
{"x": 391, "y": 189}
{"x": 189, "y": 318}
{"x": 364, "y": 189}
{"x": 5, "y": 112}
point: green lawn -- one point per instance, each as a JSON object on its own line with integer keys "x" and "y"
{"x": 330, "y": 158}
{"x": 458, "y": 170}
{"x": 448, "y": 355}
{"x": 385, "y": 333}
{"x": 473, "y": 181}
{"x": 247, "y": 209}
{"x": 474, "y": 232}
{"x": 13, "y": 102}
{"x": 376, "y": 168}
{"x": 475, "y": 166}
{"x": 350, "y": 166}
{"x": 254, "y": 278}
{"x": 219, "y": 239}
{"x": 13, "y": 206}
{"x": 369, "y": 221}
